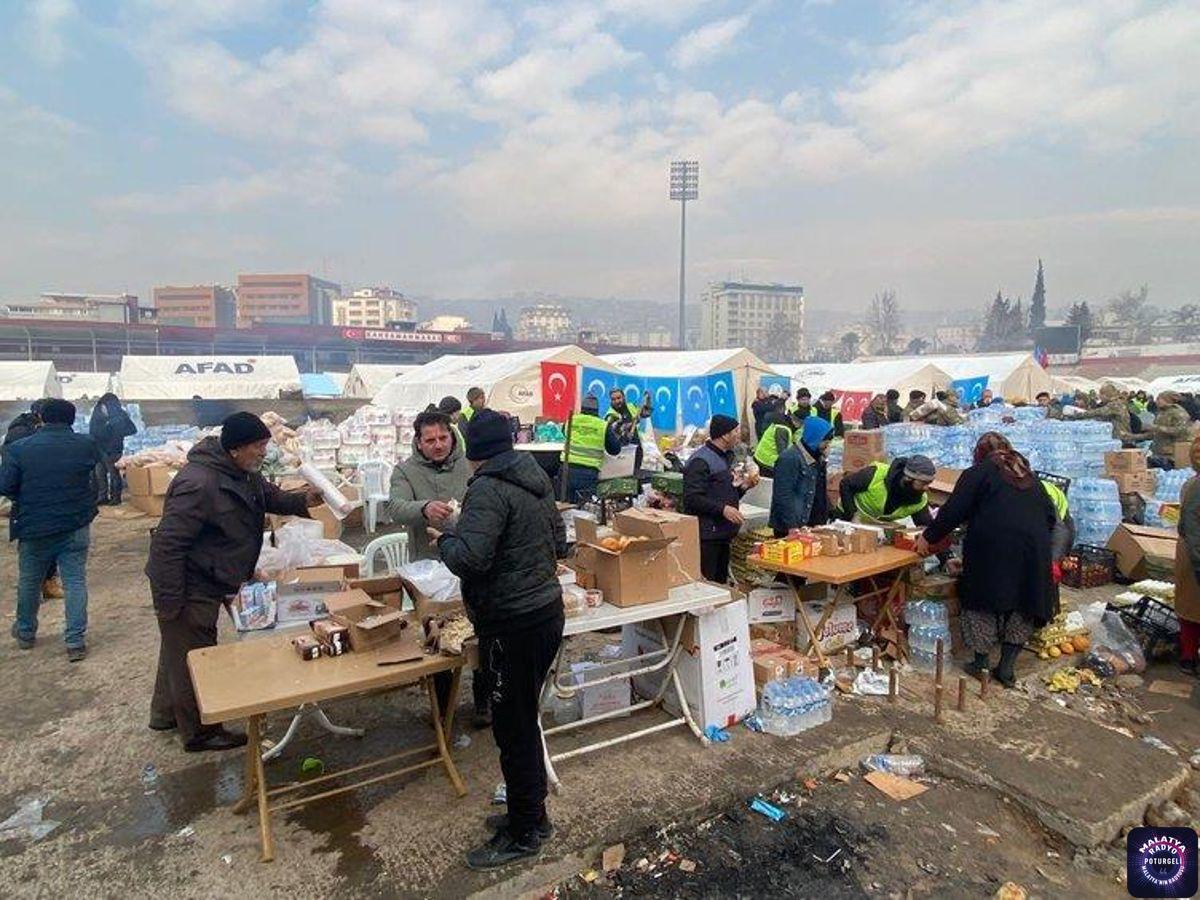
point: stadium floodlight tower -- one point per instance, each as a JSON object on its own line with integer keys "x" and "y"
{"x": 685, "y": 186}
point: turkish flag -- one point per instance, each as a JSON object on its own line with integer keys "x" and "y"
{"x": 854, "y": 404}
{"x": 558, "y": 390}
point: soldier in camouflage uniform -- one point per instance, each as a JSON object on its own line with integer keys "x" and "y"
{"x": 950, "y": 413}
{"x": 1171, "y": 424}
{"x": 1112, "y": 409}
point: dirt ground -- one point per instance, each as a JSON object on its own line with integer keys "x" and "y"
{"x": 139, "y": 817}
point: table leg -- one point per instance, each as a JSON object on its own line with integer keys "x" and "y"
{"x": 249, "y": 779}
{"x": 814, "y": 646}
{"x": 443, "y": 749}
{"x": 254, "y": 747}
{"x": 451, "y": 703}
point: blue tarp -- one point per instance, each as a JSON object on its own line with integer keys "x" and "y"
{"x": 318, "y": 384}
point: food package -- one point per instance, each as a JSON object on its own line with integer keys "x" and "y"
{"x": 334, "y": 637}
{"x": 253, "y": 608}
{"x": 334, "y": 499}
{"x": 307, "y": 646}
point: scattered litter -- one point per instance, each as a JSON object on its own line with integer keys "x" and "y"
{"x": 27, "y": 822}
{"x": 774, "y": 813}
{"x": 227, "y": 859}
{"x": 1051, "y": 854}
{"x": 686, "y": 865}
{"x": 1181, "y": 689}
{"x": 894, "y": 786}
{"x": 149, "y": 778}
{"x": 785, "y": 797}
{"x": 590, "y": 875}
{"x": 1159, "y": 744}
{"x": 987, "y": 832}
{"x": 810, "y": 784}
{"x": 716, "y": 735}
{"x": 642, "y": 864}
{"x": 612, "y": 858}
{"x": 185, "y": 832}
{"x": 1195, "y": 760}
{"x": 843, "y": 777}
{"x": 950, "y": 828}
{"x": 1010, "y": 891}
{"x": 311, "y": 767}
{"x": 500, "y": 795}
{"x": 754, "y": 723}
{"x": 610, "y": 651}
{"x": 904, "y": 765}
{"x": 462, "y": 741}
{"x": 871, "y": 683}
{"x": 830, "y": 859}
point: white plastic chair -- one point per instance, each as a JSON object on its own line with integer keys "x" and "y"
{"x": 375, "y": 479}
{"x": 394, "y": 548}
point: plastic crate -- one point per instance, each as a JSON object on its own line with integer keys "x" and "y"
{"x": 1154, "y": 622}
{"x": 1087, "y": 566}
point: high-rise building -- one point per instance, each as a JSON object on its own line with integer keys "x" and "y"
{"x": 375, "y": 307}
{"x": 199, "y": 305}
{"x": 285, "y": 300}
{"x": 544, "y": 322}
{"x": 767, "y": 319}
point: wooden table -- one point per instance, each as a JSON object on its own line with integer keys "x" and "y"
{"x": 887, "y": 563}
{"x": 250, "y": 679}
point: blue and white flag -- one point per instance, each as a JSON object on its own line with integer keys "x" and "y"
{"x": 634, "y": 387}
{"x": 721, "y": 398}
{"x": 969, "y": 390}
{"x": 766, "y": 382}
{"x": 664, "y": 395}
{"x": 599, "y": 383}
{"x": 693, "y": 395}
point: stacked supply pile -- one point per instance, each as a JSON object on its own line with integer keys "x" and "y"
{"x": 1128, "y": 469}
{"x": 1096, "y": 508}
{"x": 1162, "y": 510}
{"x": 792, "y": 705}
{"x": 928, "y": 622}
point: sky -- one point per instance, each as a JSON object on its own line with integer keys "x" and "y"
{"x": 465, "y": 148}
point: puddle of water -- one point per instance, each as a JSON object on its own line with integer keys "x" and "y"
{"x": 177, "y": 799}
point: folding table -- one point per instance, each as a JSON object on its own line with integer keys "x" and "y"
{"x": 694, "y": 599}
{"x": 887, "y": 564}
{"x": 252, "y": 678}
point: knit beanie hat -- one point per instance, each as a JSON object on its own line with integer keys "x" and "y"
{"x": 721, "y": 426}
{"x": 242, "y": 428}
{"x": 489, "y": 434}
{"x": 920, "y": 468}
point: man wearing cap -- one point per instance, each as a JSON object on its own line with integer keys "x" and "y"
{"x": 204, "y": 549}
{"x": 591, "y": 437}
{"x": 824, "y": 410}
{"x": 886, "y": 493}
{"x": 712, "y": 494}
{"x": 505, "y": 548}
{"x": 915, "y": 400}
{"x": 895, "y": 412}
{"x": 50, "y": 477}
{"x": 801, "y": 407}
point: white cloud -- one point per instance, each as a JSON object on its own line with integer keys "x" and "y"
{"x": 708, "y": 42}
{"x": 663, "y": 12}
{"x": 24, "y": 124}
{"x": 46, "y": 21}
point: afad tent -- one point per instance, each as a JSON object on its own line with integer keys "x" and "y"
{"x": 747, "y": 368}
{"x": 209, "y": 377}
{"x": 1184, "y": 384}
{"x": 366, "y": 379}
{"x": 28, "y": 381}
{"x": 85, "y": 385}
{"x": 1013, "y": 376}
{"x": 869, "y": 377}
{"x": 512, "y": 382}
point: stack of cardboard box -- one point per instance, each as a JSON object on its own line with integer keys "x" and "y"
{"x": 148, "y": 486}
{"x": 1128, "y": 469}
{"x": 665, "y": 554}
{"x": 861, "y": 448}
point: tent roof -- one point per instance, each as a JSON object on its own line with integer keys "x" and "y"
{"x": 665, "y": 363}
{"x": 1001, "y": 368}
{"x": 210, "y": 377}
{"x": 875, "y": 376}
{"x": 28, "y": 380}
{"x": 365, "y": 379}
{"x": 77, "y": 385}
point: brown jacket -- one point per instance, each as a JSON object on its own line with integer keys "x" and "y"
{"x": 1187, "y": 554}
{"x": 211, "y": 531}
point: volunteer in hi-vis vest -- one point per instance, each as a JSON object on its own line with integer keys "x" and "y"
{"x": 476, "y": 400}
{"x": 887, "y": 493}
{"x": 591, "y": 437}
{"x": 776, "y": 438}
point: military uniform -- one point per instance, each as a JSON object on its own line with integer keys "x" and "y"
{"x": 1115, "y": 411}
{"x": 1171, "y": 424}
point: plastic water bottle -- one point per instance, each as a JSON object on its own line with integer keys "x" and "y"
{"x": 896, "y": 764}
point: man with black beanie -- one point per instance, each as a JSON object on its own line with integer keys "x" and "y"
{"x": 712, "y": 494}
{"x": 505, "y": 548}
{"x": 204, "y": 549}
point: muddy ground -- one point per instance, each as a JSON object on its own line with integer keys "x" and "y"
{"x": 139, "y": 817}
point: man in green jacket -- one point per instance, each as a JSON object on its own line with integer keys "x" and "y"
{"x": 1171, "y": 425}
{"x": 1114, "y": 410}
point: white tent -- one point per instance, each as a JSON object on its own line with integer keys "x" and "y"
{"x": 210, "y": 377}
{"x": 1069, "y": 384}
{"x": 28, "y": 381}
{"x": 80, "y": 385}
{"x": 873, "y": 376}
{"x": 365, "y": 379}
{"x": 1187, "y": 384}
{"x": 1013, "y": 376}
{"x": 512, "y": 381}
{"x": 745, "y": 366}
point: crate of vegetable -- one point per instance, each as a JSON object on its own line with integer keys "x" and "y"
{"x": 1087, "y": 566}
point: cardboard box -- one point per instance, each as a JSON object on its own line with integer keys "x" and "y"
{"x": 310, "y": 580}
{"x": 1124, "y": 461}
{"x": 599, "y": 699}
{"x": 387, "y": 589}
{"x": 714, "y": 667}
{"x": 942, "y": 486}
{"x": 426, "y": 607}
{"x": 780, "y": 633}
{"x": 1144, "y": 552}
{"x": 855, "y": 458}
{"x": 1183, "y": 454}
{"x": 768, "y": 668}
{"x": 771, "y": 604}
{"x": 372, "y": 624}
{"x": 683, "y": 554}
{"x": 150, "y": 505}
{"x": 841, "y": 630}
{"x": 762, "y": 646}
{"x": 1134, "y": 482}
{"x": 632, "y": 577}
{"x": 870, "y": 441}
{"x": 148, "y": 481}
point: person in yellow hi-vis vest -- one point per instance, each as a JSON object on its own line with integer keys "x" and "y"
{"x": 476, "y": 400}
{"x": 590, "y": 438}
{"x": 887, "y": 493}
{"x": 779, "y": 434}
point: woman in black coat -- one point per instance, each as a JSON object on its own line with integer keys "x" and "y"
{"x": 1006, "y": 589}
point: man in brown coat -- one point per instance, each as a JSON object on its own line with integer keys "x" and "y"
{"x": 204, "y": 549}
{"x": 1187, "y": 564}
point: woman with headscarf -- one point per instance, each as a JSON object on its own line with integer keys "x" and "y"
{"x": 1187, "y": 566}
{"x": 1006, "y": 588}
{"x": 799, "y": 478}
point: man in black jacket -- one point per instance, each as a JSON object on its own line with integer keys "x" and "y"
{"x": 895, "y": 412}
{"x": 505, "y": 549}
{"x": 110, "y": 425}
{"x": 712, "y": 495}
{"x": 824, "y": 410}
{"x": 204, "y": 549}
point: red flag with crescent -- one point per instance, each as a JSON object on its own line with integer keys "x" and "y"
{"x": 558, "y": 390}
{"x": 854, "y": 404}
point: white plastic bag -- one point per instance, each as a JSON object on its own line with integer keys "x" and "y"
{"x": 433, "y": 579}
{"x": 340, "y": 505}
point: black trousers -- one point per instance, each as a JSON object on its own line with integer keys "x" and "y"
{"x": 108, "y": 480}
{"x": 481, "y": 688}
{"x": 174, "y": 699}
{"x": 714, "y": 560}
{"x": 519, "y": 662}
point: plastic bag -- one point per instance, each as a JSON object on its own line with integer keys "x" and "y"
{"x": 433, "y": 579}
{"x": 1115, "y": 649}
{"x": 337, "y": 502}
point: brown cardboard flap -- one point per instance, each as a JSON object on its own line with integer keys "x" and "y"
{"x": 650, "y": 545}
{"x": 387, "y": 589}
{"x": 1136, "y": 545}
